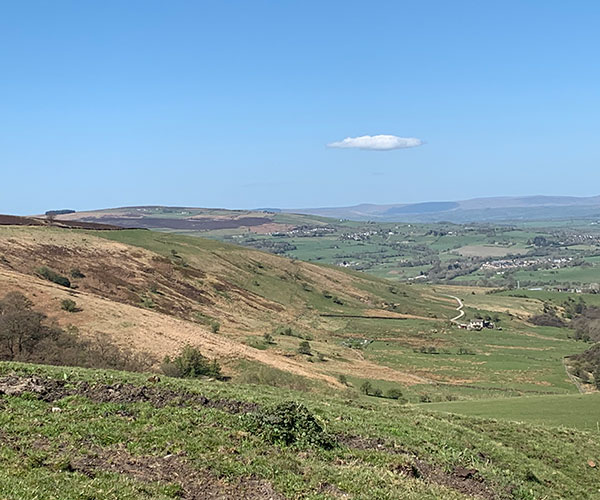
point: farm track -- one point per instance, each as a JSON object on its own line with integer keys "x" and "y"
{"x": 460, "y": 307}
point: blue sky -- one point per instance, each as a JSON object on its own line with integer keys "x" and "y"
{"x": 232, "y": 103}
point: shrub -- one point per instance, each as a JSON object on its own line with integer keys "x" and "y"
{"x": 147, "y": 302}
{"x": 304, "y": 348}
{"x": 366, "y": 387}
{"x": 256, "y": 342}
{"x": 76, "y": 273}
{"x": 343, "y": 379}
{"x": 69, "y": 305}
{"x": 289, "y": 332}
{"x": 394, "y": 394}
{"x": 190, "y": 363}
{"x": 215, "y": 327}
{"x": 290, "y": 424}
{"x": 53, "y": 276}
{"x": 269, "y": 338}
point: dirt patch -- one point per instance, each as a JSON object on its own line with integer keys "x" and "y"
{"x": 367, "y": 443}
{"x": 332, "y": 490}
{"x": 50, "y": 390}
{"x": 466, "y": 481}
{"x": 194, "y": 484}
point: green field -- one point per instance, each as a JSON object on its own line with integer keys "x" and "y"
{"x": 581, "y": 411}
{"x": 541, "y": 253}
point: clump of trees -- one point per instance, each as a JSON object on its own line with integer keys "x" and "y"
{"x": 547, "y": 318}
{"x": 27, "y": 335}
{"x": 394, "y": 393}
{"x": 587, "y": 325}
{"x": 586, "y": 365}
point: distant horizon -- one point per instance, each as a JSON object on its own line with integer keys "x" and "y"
{"x": 267, "y": 207}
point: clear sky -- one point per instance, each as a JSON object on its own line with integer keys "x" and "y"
{"x": 233, "y": 103}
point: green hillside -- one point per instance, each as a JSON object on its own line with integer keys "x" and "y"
{"x": 111, "y": 435}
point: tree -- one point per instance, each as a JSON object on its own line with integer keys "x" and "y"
{"x": 21, "y": 328}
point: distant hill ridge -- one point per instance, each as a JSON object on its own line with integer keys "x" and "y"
{"x": 495, "y": 209}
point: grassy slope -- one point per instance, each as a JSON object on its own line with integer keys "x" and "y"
{"x": 251, "y": 292}
{"x": 243, "y": 266}
{"x": 154, "y": 292}
{"x": 87, "y": 449}
{"x": 520, "y": 359}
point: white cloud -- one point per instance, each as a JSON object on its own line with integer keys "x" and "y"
{"x": 377, "y": 142}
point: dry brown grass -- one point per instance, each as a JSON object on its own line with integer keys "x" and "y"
{"x": 118, "y": 277}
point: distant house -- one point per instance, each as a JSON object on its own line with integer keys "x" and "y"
{"x": 479, "y": 324}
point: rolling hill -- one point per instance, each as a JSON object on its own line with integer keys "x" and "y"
{"x": 260, "y": 221}
{"x": 153, "y": 292}
{"x": 474, "y": 210}
{"x": 287, "y": 423}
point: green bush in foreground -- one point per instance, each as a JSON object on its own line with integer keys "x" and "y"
{"x": 290, "y": 424}
{"x": 190, "y": 363}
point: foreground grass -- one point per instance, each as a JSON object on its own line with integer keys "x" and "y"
{"x": 581, "y": 411}
{"x": 385, "y": 450}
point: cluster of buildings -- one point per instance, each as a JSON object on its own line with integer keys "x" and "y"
{"x": 552, "y": 262}
{"x": 359, "y": 236}
{"x": 306, "y": 231}
{"x": 477, "y": 325}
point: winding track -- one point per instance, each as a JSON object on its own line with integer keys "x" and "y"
{"x": 461, "y": 313}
